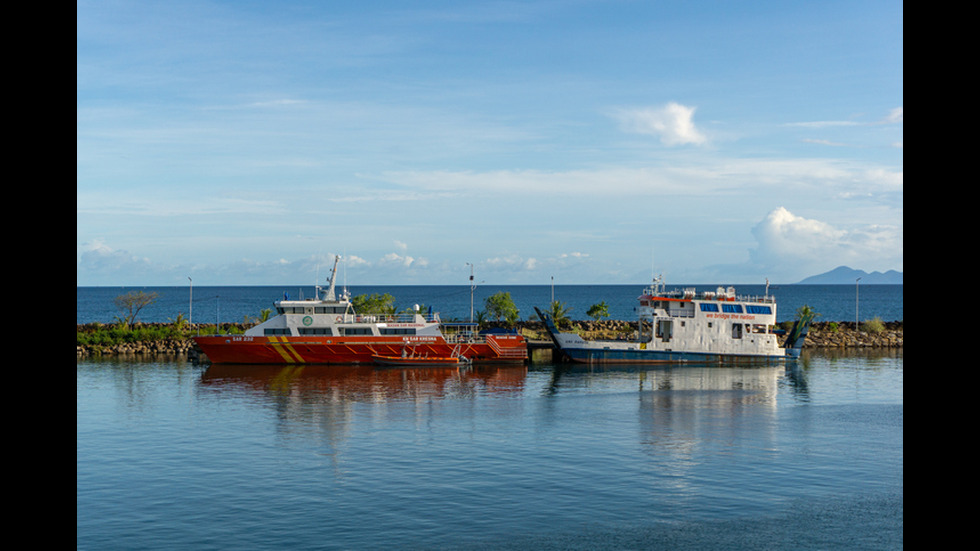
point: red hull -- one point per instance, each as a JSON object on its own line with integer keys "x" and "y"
{"x": 239, "y": 349}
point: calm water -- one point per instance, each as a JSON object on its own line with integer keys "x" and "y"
{"x": 176, "y": 456}
{"x": 233, "y": 304}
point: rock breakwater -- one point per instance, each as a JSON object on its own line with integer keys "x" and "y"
{"x": 822, "y": 335}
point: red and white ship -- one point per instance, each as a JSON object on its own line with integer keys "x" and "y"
{"x": 327, "y": 330}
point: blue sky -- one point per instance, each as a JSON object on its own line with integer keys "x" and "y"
{"x": 247, "y": 143}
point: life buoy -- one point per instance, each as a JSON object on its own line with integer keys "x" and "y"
{"x": 338, "y": 319}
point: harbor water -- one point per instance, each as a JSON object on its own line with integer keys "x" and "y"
{"x": 172, "y": 455}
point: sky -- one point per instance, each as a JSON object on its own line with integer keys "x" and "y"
{"x": 526, "y": 142}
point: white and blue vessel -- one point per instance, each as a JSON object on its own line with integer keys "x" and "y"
{"x": 686, "y": 326}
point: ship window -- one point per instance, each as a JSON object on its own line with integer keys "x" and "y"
{"x": 357, "y": 331}
{"x": 757, "y": 309}
{"x": 278, "y": 331}
{"x": 316, "y": 331}
{"x": 732, "y": 308}
{"x": 709, "y": 307}
{"x": 390, "y": 331}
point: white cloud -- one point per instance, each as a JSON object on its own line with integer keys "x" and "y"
{"x": 895, "y": 116}
{"x": 791, "y": 244}
{"x": 406, "y": 261}
{"x": 822, "y": 177}
{"x": 673, "y": 123}
{"x": 395, "y": 258}
{"x": 97, "y": 257}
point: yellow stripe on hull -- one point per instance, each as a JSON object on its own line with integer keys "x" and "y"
{"x": 280, "y": 345}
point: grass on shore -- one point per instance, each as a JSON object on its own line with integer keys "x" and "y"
{"x": 98, "y": 335}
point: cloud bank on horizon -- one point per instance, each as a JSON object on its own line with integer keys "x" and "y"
{"x": 589, "y": 143}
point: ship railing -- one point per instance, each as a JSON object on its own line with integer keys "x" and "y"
{"x": 509, "y": 352}
{"x": 712, "y": 295}
{"x": 388, "y": 318}
{"x": 464, "y": 338}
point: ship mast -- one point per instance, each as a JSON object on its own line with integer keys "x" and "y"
{"x": 333, "y": 280}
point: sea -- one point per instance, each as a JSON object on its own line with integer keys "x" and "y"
{"x": 171, "y": 454}
{"x": 235, "y": 304}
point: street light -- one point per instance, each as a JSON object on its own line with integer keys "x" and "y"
{"x": 472, "y": 287}
{"x": 856, "y": 318}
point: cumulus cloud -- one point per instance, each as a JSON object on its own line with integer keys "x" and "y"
{"x": 406, "y": 261}
{"x": 788, "y": 243}
{"x": 99, "y": 258}
{"x": 672, "y": 123}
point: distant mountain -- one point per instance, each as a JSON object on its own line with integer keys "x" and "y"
{"x": 843, "y": 274}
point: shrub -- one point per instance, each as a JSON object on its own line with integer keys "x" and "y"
{"x": 874, "y": 325}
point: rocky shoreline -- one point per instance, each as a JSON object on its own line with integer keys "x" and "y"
{"x": 822, "y": 335}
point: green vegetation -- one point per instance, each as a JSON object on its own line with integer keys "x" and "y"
{"x": 501, "y": 306}
{"x": 559, "y": 314}
{"x": 262, "y": 317}
{"x": 597, "y": 311}
{"x": 805, "y": 313}
{"x": 131, "y": 303}
{"x": 873, "y": 326}
{"x": 374, "y": 304}
{"x": 98, "y": 336}
{"x": 104, "y": 336}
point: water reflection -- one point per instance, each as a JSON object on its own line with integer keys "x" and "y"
{"x": 363, "y": 383}
{"x": 598, "y": 457}
{"x": 758, "y": 383}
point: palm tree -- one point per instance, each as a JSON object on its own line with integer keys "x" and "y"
{"x": 559, "y": 314}
{"x": 806, "y": 313}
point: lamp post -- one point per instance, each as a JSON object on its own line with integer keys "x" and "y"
{"x": 472, "y": 287}
{"x": 856, "y": 318}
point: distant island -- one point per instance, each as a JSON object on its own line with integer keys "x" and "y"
{"x": 843, "y": 274}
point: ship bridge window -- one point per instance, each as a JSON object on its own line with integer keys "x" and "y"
{"x": 356, "y": 331}
{"x": 398, "y": 331}
{"x": 709, "y": 307}
{"x": 278, "y": 331}
{"x": 316, "y": 331}
{"x": 757, "y": 309}
{"x": 330, "y": 309}
{"x": 731, "y": 308}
